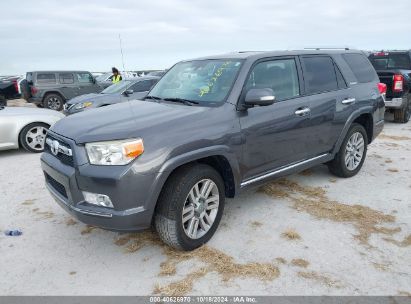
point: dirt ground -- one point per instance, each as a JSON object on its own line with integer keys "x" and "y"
{"x": 308, "y": 234}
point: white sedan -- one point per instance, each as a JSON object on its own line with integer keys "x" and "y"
{"x": 25, "y": 127}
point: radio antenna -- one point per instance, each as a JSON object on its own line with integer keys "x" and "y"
{"x": 122, "y": 56}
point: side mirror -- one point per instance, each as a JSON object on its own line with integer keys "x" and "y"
{"x": 128, "y": 92}
{"x": 259, "y": 97}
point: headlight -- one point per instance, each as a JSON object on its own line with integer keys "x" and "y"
{"x": 82, "y": 105}
{"x": 119, "y": 152}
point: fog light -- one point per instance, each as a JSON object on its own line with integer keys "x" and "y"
{"x": 98, "y": 199}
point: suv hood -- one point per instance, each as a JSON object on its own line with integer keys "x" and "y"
{"x": 88, "y": 97}
{"x": 125, "y": 120}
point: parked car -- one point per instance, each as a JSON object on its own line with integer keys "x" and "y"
{"x": 215, "y": 126}
{"x": 51, "y": 89}
{"x": 9, "y": 88}
{"x": 124, "y": 90}
{"x": 105, "y": 80}
{"x": 394, "y": 69}
{"x": 25, "y": 127}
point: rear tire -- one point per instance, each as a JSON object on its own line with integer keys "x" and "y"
{"x": 32, "y": 137}
{"x": 402, "y": 115}
{"x": 350, "y": 158}
{"x": 190, "y": 207}
{"x": 53, "y": 102}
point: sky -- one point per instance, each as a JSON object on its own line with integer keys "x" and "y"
{"x": 155, "y": 34}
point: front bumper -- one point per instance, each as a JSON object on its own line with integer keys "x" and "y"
{"x": 395, "y": 103}
{"x": 130, "y": 194}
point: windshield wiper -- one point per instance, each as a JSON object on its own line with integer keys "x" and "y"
{"x": 182, "y": 100}
{"x": 152, "y": 97}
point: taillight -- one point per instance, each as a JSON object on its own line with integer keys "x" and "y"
{"x": 398, "y": 83}
{"x": 33, "y": 90}
{"x": 382, "y": 87}
{"x": 16, "y": 86}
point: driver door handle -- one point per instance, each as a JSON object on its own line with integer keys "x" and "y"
{"x": 302, "y": 111}
{"x": 348, "y": 101}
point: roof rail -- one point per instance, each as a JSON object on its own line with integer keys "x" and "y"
{"x": 328, "y": 48}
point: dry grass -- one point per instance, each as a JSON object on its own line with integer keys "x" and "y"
{"x": 380, "y": 266}
{"x": 35, "y": 209}
{"x": 393, "y": 137}
{"x": 306, "y": 172}
{"x": 291, "y": 234}
{"x": 88, "y": 229}
{"x": 314, "y": 201}
{"x": 392, "y": 170}
{"x": 388, "y": 161}
{"x": 300, "y": 263}
{"x": 71, "y": 222}
{"x": 44, "y": 215}
{"x": 332, "y": 180}
{"x": 256, "y": 224}
{"x": 281, "y": 260}
{"x": 312, "y": 275}
{"x": 404, "y": 243}
{"x": 212, "y": 259}
{"x": 72, "y": 272}
{"x": 404, "y": 293}
{"x": 28, "y": 202}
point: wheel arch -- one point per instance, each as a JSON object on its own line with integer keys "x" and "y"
{"x": 54, "y": 92}
{"x": 362, "y": 116}
{"x": 22, "y": 126}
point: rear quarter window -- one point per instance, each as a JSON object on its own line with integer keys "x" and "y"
{"x": 66, "y": 78}
{"x": 361, "y": 67}
{"x": 46, "y": 78}
{"x": 319, "y": 74}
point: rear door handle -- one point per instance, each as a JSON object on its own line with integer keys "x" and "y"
{"x": 302, "y": 111}
{"x": 348, "y": 101}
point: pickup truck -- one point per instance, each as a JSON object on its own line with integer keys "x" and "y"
{"x": 9, "y": 89}
{"x": 394, "y": 69}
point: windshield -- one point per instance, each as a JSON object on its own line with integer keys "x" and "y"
{"x": 391, "y": 61}
{"x": 207, "y": 82}
{"x": 118, "y": 87}
{"x": 103, "y": 77}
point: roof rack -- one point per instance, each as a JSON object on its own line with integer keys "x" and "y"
{"x": 328, "y": 48}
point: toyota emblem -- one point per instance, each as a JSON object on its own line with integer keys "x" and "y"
{"x": 55, "y": 147}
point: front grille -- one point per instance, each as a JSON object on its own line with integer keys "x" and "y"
{"x": 65, "y": 159}
{"x": 56, "y": 185}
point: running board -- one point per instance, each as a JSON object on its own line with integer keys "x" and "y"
{"x": 315, "y": 160}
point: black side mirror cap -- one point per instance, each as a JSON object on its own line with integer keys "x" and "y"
{"x": 259, "y": 97}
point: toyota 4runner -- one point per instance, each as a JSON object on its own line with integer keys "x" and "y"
{"x": 209, "y": 129}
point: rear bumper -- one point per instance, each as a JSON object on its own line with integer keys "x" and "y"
{"x": 378, "y": 127}
{"x": 395, "y": 103}
{"x": 128, "y": 195}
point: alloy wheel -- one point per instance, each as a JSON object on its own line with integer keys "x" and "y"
{"x": 200, "y": 208}
{"x": 354, "y": 151}
{"x": 53, "y": 103}
{"x": 35, "y": 138}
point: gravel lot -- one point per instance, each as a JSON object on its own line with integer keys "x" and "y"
{"x": 310, "y": 234}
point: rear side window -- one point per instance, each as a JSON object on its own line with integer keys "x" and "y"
{"x": 319, "y": 74}
{"x": 84, "y": 78}
{"x": 279, "y": 75}
{"x": 46, "y": 78}
{"x": 361, "y": 67}
{"x": 141, "y": 86}
{"x": 66, "y": 78}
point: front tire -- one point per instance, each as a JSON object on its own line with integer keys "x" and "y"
{"x": 190, "y": 207}
{"x": 350, "y": 158}
{"x": 53, "y": 102}
{"x": 32, "y": 137}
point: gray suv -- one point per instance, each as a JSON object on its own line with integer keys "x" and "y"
{"x": 209, "y": 129}
{"x": 51, "y": 89}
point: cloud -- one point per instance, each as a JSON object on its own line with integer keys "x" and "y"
{"x": 49, "y": 34}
